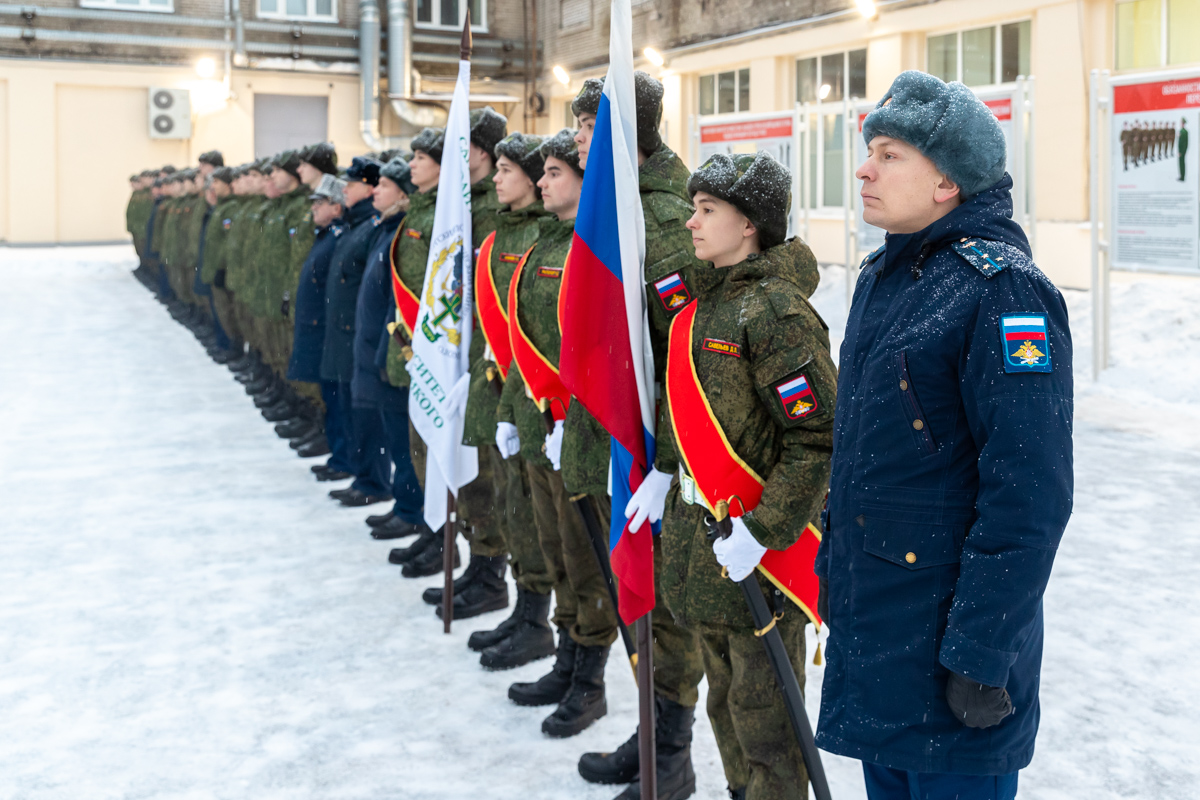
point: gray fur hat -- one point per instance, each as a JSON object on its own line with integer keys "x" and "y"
{"x": 524, "y": 150}
{"x": 563, "y": 147}
{"x": 398, "y": 172}
{"x": 947, "y": 123}
{"x": 330, "y": 189}
{"x": 648, "y": 95}
{"x": 488, "y": 128}
{"x": 758, "y": 185}
{"x": 430, "y": 141}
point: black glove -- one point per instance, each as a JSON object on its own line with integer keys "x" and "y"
{"x": 823, "y": 598}
{"x": 976, "y": 705}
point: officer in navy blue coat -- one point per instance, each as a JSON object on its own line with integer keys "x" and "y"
{"x": 952, "y": 468}
{"x": 368, "y": 450}
{"x": 308, "y": 337}
{"x": 371, "y": 390}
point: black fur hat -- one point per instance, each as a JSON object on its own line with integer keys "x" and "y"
{"x": 223, "y": 174}
{"x": 487, "y": 128}
{"x": 321, "y": 156}
{"x": 212, "y": 157}
{"x": 563, "y": 147}
{"x": 430, "y": 141}
{"x": 398, "y": 172}
{"x": 289, "y": 162}
{"x": 648, "y": 95}
{"x": 524, "y": 150}
{"x": 758, "y": 185}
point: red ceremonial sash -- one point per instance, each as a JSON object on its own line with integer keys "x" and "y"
{"x": 407, "y": 303}
{"x": 542, "y": 382}
{"x": 721, "y": 475}
{"x": 492, "y": 318}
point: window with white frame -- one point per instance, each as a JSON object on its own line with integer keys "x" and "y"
{"x": 311, "y": 10}
{"x": 163, "y": 6}
{"x": 980, "y": 56}
{"x": 1157, "y": 33}
{"x": 450, "y": 14}
{"x": 824, "y": 82}
{"x": 725, "y": 92}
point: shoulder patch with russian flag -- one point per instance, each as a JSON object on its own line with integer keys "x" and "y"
{"x": 797, "y": 397}
{"x": 672, "y": 292}
{"x": 1024, "y": 338}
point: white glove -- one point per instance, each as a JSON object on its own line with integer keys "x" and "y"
{"x": 648, "y": 501}
{"x": 507, "y": 440}
{"x": 456, "y": 401}
{"x": 553, "y": 446}
{"x": 740, "y": 552}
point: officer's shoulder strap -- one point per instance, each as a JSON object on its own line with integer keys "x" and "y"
{"x": 873, "y": 256}
{"x": 986, "y": 256}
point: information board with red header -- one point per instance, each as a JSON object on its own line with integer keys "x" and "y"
{"x": 777, "y": 133}
{"x": 1155, "y": 185}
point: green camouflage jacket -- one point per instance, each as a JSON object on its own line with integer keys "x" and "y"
{"x": 282, "y": 225}
{"x": 216, "y": 238}
{"x": 255, "y": 253}
{"x": 166, "y": 223}
{"x": 247, "y": 227}
{"x": 766, "y": 335}
{"x": 301, "y": 235}
{"x": 412, "y": 256}
{"x": 137, "y": 214}
{"x": 516, "y": 232}
{"x": 193, "y": 225}
{"x": 537, "y": 294}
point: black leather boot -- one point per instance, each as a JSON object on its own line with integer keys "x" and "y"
{"x": 552, "y": 687}
{"x": 584, "y": 702}
{"x": 403, "y": 555}
{"x": 482, "y": 640}
{"x": 429, "y": 561}
{"x": 673, "y": 753}
{"x": 486, "y": 591}
{"x": 395, "y": 528}
{"x": 619, "y": 766}
{"x": 314, "y": 449}
{"x": 276, "y": 392}
{"x": 530, "y": 638}
{"x": 294, "y": 428}
{"x": 433, "y": 595}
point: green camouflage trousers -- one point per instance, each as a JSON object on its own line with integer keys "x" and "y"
{"x": 757, "y": 744}
{"x": 511, "y": 483}
{"x": 678, "y": 665}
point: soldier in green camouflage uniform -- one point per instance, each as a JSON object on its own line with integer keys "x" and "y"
{"x": 583, "y": 611}
{"x": 755, "y": 297}
{"x": 137, "y": 213}
{"x": 216, "y": 236}
{"x": 246, "y": 227}
{"x": 525, "y": 635}
{"x": 670, "y": 257}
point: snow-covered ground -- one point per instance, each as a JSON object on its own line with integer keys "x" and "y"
{"x": 184, "y": 614}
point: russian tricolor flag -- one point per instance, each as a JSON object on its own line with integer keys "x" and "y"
{"x": 606, "y": 361}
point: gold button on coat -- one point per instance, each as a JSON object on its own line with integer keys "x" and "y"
{"x": 904, "y": 386}
{"x": 918, "y": 424}
{"x": 911, "y": 558}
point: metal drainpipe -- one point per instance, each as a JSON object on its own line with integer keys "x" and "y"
{"x": 400, "y": 48}
{"x": 239, "y": 36}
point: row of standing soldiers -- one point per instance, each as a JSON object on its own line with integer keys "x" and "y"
{"x": 303, "y": 278}
{"x": 1145, "y": 142}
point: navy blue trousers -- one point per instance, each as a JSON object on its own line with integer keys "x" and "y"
{"x": 884, "y": 783}
{"x": 410, "y": 501}
{"x": 337, "y": 426}
{"x": 222, "y": 337}
{"x": 369, "y": 459}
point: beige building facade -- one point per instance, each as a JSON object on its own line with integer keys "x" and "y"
{"x": 837, "y": 52}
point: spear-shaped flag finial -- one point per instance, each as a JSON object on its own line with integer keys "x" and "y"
{"x": 464, "y": 50}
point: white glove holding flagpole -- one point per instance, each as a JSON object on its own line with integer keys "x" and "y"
{"x": 739, "y": 552}
{"x": 553, "y": 446}
{"x": 649, "y": 500}
{"x": 507, "y": 440}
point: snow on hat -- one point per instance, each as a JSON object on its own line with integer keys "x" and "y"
{"x": 563, "y": 147}
{"x": 487, "y": 128}
{"x": 365, "y": 170}
{"x": 648, "y": 95}
{"x": 947, "y": 123}
{"x": 330, "y": 189}
{"x": 212, "y": 157}
{"x": 524, "y": 150}
{"x": 398, "y": 172}
{"x": 430, "y": 141}
{"x": 320, "y": 156}
{"x": 758, "y": 185}
{"x": 289, "y": 162}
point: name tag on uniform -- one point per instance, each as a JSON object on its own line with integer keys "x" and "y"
{"x": 724, "y": 348}
{"x": 549, "y": 272}
{"x": 510, "y": 258}
{"x": 412, "y": 233}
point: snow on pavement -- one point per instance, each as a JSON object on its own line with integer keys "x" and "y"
{"x": 184, "y": 614}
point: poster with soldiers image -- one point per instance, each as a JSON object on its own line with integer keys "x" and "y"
{"x": 1155, "y": 195}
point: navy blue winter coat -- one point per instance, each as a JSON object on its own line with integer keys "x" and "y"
{"x": 199, "y": 287}
{"x": 951, "y": 485}
{"x": 376, "y": 307}
{"x": 308, "y": 337}
{"x": 346, "y": 269}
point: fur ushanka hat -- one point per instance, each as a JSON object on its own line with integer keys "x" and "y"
{"x": 648, "y": 95}
{"x": 563, "y": 147}
{"x": 524, "y": 150}
{"x": 758, "y": 185}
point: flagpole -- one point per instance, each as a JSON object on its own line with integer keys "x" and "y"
{"x": 448, "y": 531}
{"x": 647, "y": 757}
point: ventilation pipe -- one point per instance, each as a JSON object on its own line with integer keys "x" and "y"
{"x": 400, "y": 48}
